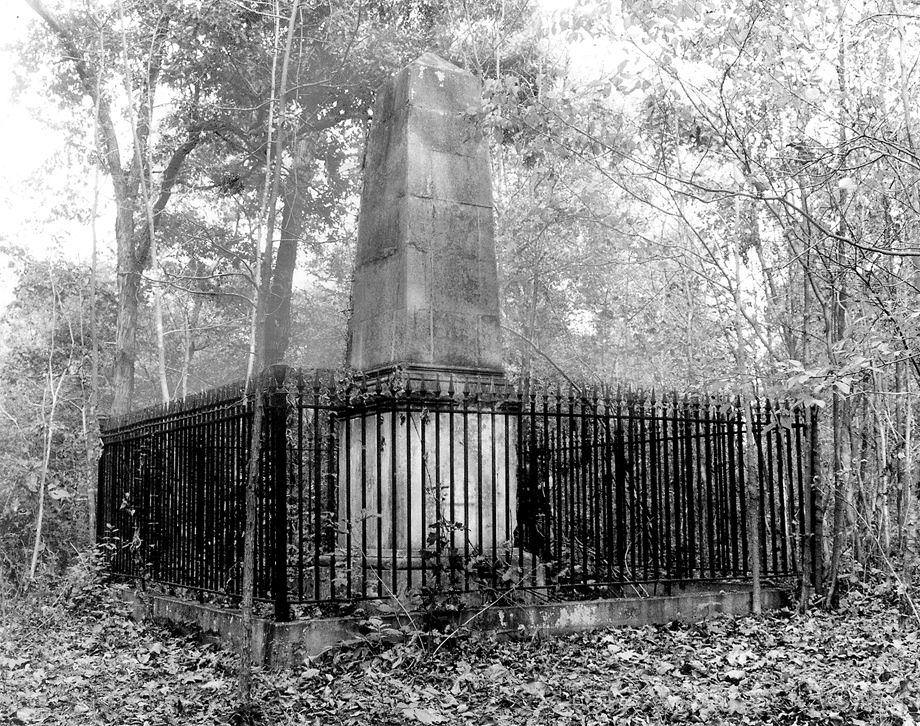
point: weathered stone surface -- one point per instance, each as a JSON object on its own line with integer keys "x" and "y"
{"x": 425, "y": 289}
{"x": 481, "y": 445}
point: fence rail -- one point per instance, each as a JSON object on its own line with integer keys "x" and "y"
{"x": 366, "y": 490}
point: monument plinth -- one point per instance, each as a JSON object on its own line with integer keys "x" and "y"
{"x": 425, "y": 301}
{"x": 425, "y": 291}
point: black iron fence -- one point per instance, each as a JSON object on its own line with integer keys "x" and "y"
{"x": 369, "y": 490}
{"x": 171, "y": 498}
{"x": 632, "y": 489}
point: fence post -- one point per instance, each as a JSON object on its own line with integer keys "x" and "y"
{"x": 276, "y": 409}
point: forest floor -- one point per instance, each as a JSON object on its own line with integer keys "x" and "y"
{"x": 90, "y": 664}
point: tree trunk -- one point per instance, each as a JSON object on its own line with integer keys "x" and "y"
{"x": 53, "y": 393}
{"x": 904, "y": 537}
{"x": 91, "y": 403}
{"x": 262, "y": 293}
{"x": 125, "y": 340}
{"x": 188, "y": 343}
{"x": 840, "y": 404}
{"x": 752, "y": 495}
{"x": 278, "y": 313}
{"x": 751, "y": 491}
{"x": 817, "y": 491}
{"x": 842, "y": 468}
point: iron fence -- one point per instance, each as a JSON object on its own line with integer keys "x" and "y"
{"x": 369, "y": 489}
{"x": 171, "y": 497}
{"x": 631, "y": 488}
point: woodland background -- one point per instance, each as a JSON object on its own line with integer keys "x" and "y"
{"x": 689, "y": 195}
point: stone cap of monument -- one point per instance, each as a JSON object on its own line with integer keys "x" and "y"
{"x": 425, "y": 289}
{"x": 434, "y": 61}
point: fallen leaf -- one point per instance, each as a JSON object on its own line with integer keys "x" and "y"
{"x": 535, "y": 688}
{"x": 424, "y": 715}
{"x": 735, "y": 675}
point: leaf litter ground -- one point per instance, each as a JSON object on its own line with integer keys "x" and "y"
{"x": 859, "y": 666}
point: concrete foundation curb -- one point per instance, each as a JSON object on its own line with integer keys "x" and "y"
{"x": 281, "y": 644}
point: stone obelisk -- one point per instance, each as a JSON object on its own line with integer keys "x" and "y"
{"x": 425, "y": 292}
{"x": 425, "y": 300}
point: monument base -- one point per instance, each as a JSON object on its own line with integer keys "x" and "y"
{"x": 430, "y": 468}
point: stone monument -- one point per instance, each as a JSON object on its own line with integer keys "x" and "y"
{"x": 425, "y": 301}
{"x": 425, "y": 292}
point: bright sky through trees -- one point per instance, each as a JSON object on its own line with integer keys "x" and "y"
{"x": 46, "y": 185}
